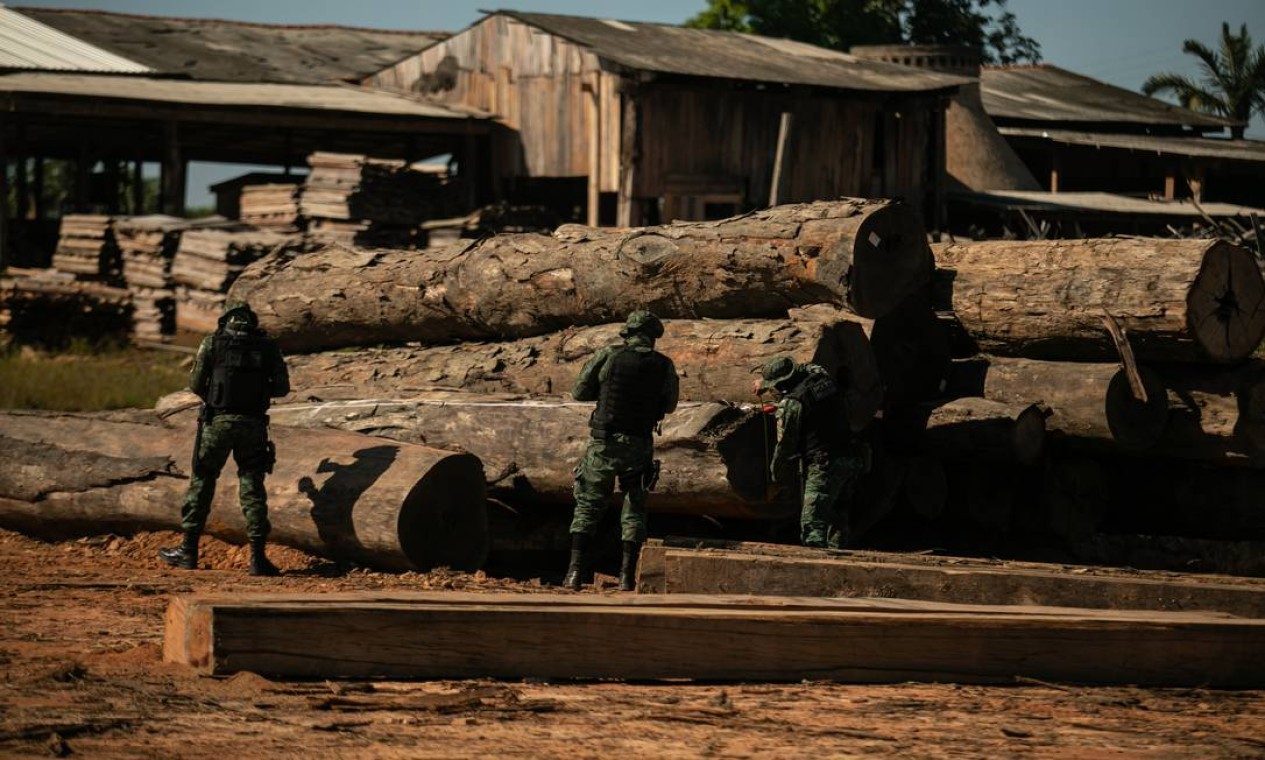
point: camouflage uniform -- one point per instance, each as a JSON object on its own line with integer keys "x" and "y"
{"x": 814, "y": 440}
{"x": 244, "y": 435}
{"x": 620, "y": 453}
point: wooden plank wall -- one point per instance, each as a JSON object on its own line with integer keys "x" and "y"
{"x": 536, "y": 84}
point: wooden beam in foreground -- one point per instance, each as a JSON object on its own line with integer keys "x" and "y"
{"x": 454, "y": 635}
{"x": 792, "y": 571}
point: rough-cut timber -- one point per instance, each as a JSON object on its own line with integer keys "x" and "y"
{"x": 1179, "y": 300}
{"x": 713, "y": 454}
{"x": 983, "y": 430}
{"x": 866, "y": 255}
{"x": 1091, "y": 404}
{"x": 953, "y": 580}
{"x": 707, "y": 638}
{"x": 379, "y": 503}
{"x": 716, "y": 360}
{"x": 1216, "y": 414}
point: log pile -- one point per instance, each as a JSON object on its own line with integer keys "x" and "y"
{"x": 355, "y": 199}
{"x": 86, "y": 247}
{"x": 50, "y": 307}
{"x": 146, "y": 246}
{"x": 206, "y": 263}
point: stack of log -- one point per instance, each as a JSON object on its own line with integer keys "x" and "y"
{"x": 86, "y": 247}
{"x": 1137, "y": 422}
{"x": 208, "y": 260}
{"x": 271, "y": 205}
{"x": 146, "y": 247}
{"x": 355, "y": 199}
{"x": 49, "y": 307}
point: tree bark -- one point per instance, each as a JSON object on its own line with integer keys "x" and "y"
{"x": 975, "y": 429}
{"x": 716, "y": 361}
{"x": 1091, "y": 404}
{"x": 388, "y": 505}
{"x": 714, "y": 456}
{"x": 864, "y": 254}
{"x": 1179, "y": 300}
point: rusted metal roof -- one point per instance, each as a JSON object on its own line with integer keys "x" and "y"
{"x": 27, "y": 44}
{"x": 237, "y": 51}
{"x": 1045, "y": 93}
{"x": 677, "y": 50}
{"x": 1190, "y": 146}
{"x": 343, "y": 98}
{"x": 1101, "y": 203}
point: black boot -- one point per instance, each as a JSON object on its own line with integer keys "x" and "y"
{"x": 185, "y": 555}
{"x": 628, "y": 569}
{"x": 578, "y": 570}
{"x": 259, "y": 564}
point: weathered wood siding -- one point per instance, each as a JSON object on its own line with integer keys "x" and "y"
{"x": 538, "y": 85}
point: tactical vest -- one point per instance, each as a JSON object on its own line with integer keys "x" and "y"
{"x": 241, "y": 374}
{"x": 824, "y": 419}
{"x": 631, "y": 397}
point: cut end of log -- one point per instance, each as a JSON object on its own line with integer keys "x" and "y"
{"x": 1226, "y": 304}
{"x": 444, "y": 520}
{"x": 1136, "y": 424}
{"x": 890, "y": 259}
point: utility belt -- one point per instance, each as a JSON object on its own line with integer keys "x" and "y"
{"x": 253, "y": 416}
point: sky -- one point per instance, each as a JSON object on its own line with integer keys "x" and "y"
{"x": 1118, "y": 41}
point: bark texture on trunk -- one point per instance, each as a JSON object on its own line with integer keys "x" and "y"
{"x": 716, "y": 361}
{"x": 1179, "y": 300}
{"x": 714, "y": 456}
{"x": 384, "y": 504}
{"x": 866, "y": 255}
{"x": 980, "y": 430}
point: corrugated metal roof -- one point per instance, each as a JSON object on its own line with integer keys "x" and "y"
{"x": 27, "y": 44}
{"x": 237, "y": 51}
{"x": 227, "y": 94}
{"x": 731, "y": 55}
{"x": 1107, "y": 203}
{"x": 1195, "y": 147}
{"x": 1047, "y": 93}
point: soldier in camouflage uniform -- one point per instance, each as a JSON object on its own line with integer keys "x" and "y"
{"x": 635, "y": 387}
{"x": 237, "y": 372}
{"x": 814, "y": 437}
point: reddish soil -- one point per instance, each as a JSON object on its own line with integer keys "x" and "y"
{"x": 81, "y": 672}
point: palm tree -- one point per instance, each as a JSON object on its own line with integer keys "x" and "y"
{"x": 1233, "y": 81}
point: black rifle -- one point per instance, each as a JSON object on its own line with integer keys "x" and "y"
{"x": 204, "y": 416}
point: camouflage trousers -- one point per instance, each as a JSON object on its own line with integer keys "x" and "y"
{"x": 246, "y": 438}
{"x": 618, "y": 457}
{"x": 829, "y": 484}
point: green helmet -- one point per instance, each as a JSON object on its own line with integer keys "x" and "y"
{"x": 238, "y": 315}
{"x": 644, "y": 323}
{"x": 777, "y": 371}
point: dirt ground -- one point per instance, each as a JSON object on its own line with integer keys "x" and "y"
{"x": 81, "y": 674}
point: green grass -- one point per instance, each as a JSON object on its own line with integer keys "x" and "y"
{"x": 85, "y": 378}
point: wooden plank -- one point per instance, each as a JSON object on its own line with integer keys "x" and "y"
{"x": 443, "y": 635}
{"x": 776, "y": 195}
{"x": 718, "y": 572}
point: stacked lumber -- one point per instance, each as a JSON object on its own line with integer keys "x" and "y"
{"x": 53, "y": 307}
{"x": 208, "y": 260}
{"x": 271, "y": 205}
{"x": 711, "y": 638}
{"x": 86, "y": 247}
{"x": 146, "y": 246}
{"x": 369, "y": 201}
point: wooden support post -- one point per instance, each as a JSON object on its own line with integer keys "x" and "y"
{"x": 138, "y": 187}
{"x": 37, "y": 189}
{"x": 593, "y": 109}
{"x": 1170, "y": 187}
{"x": 173, "y": 171}
{"x": 21, "y": 184}
{"x": 113, "y": 177}
{"x": 1055, "y": 165}
{"x": 628, "y": 156}
{"x": 776, "y": 195}
{"x": 471, "y": 170}
{"x": 83, "y": 170}
{"x": 4, "y": 195}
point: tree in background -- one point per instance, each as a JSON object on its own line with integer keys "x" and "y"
{"x": 984, "y": 25}
{"x": 1232, "y": 83}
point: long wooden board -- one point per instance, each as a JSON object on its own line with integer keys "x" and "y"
{"x": 449, "y": 635}
{"x": 763, "y": 569}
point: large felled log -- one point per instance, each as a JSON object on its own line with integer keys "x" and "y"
{"x": 1216, "y": 414}
{"x": 913, "y": 352}
{"x": 978, "y": 429}
{"x": 714, "y": 455}
{"x": 1091, "y": 404}
{"x": 716, "y": 361}
{"x": 1179, "y": 300}
{"x": 709, "y": 638}
{"x": 864, "y": 254}
{"x": 384, "y": 504}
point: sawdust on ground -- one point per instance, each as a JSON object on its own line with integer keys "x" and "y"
{"x": 81, "y": 673}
